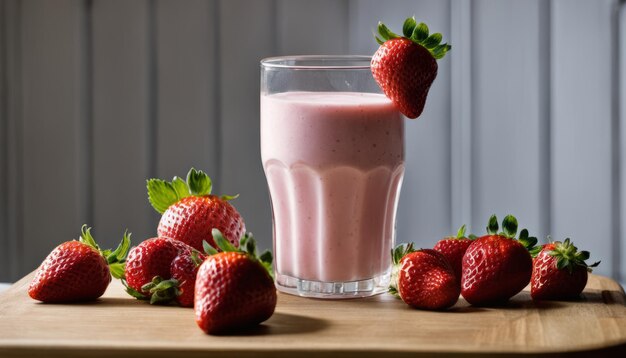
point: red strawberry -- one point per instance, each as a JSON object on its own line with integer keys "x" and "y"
{"x": 405, "y": 67}
{"x": 190, "y": 212}
{"x": 559, "y": 272}
{"x": 184, "y": 269}
{"x": 153, "y": 272}
{"x": 234, "y": 289}
{"x": 149, "y": 259}
{"x": 78, "y": 270}
{"x": 453, "y": 249}
{"x": 423, "y": 278}
{"x": 497, "y": 266}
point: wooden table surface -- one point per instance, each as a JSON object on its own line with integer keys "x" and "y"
{"x": 117, "y": 325}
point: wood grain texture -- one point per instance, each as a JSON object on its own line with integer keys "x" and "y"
{"x": 362, "y": 327}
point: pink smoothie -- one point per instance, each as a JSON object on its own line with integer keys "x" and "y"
{"x": 334, "y": 163}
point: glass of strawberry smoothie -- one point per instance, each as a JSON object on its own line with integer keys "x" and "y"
{"x": 333, "y": 153}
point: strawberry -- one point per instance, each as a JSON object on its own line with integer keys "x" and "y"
{"x": 405, "y": 67}
{"x": 453, "y": 249}
{"x": 559, "y": 271}
{"x": 497, "y": 266}
{"x": 78, "y": 270}
{"x": 190, "y": 212}
{"x": 423, "y": 278}
{"x": 234, "y": 288}
{"x": 184, "y": 269}
{"x": 158, "y": 269}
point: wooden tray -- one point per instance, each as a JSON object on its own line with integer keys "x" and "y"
{"x": 117, "y": 325}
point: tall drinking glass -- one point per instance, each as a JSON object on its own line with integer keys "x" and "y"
{"x": 333, "y": 153}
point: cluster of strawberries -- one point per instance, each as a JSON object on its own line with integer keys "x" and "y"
{"x": 488, "y": 270}
{"x": 201, "y": 258}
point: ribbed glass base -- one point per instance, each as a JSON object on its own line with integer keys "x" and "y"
{"x": 333, "y": 290}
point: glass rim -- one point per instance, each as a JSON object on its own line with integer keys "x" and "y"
{"x": 318, "y": 62}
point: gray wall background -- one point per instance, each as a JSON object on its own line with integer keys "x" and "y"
{"x": 526, "y": 116}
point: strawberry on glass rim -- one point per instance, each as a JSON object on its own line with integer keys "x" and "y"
{"x": 406, "y": 66}
{"x": 190, "y": 211}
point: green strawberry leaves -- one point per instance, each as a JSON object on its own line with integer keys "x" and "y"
{"x": 492, "y": 226}
{"x": 180, "y": 187}
{"x": 529, "y": 242}
{"x": 385, "y": 33}
{"x": 461, "y": 233}
{"x": 397, "y": 254}
{"x": 509, "y": 226}
{"x": 162, "y": 194}
{"x": 419, "y": 34}
{"x": 199, "y": 183}
{"x": 86, "y": 237}
{"x": 509, "y": 229}
{"x": 400, "y": 251}
{"x": 162, "y": 291}
{"x": 409, "y": 25}
{"x": 568, "y": 257}
{"x": 116, "y": 259}
{"x": 247, "y": 245}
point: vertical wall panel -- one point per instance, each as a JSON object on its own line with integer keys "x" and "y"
{"x": 121, "y": 120}
{"x": 581, "y": 128}
{"x": 14, "y": 204}
{"x": 51, "y": 62}
{"x": 242, "y": 45}
{"x": 621, "y": 27}
{"x": 4, "y": 238}
{"x": 187, "y": 123}
{"x": 507, "y": 120}
{"x": 461, "y": 169}
{"x": 424, "y": 209}
{"x": 312, "y": 27}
